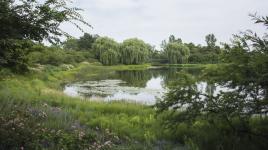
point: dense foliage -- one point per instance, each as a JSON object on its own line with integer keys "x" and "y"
{"x": 13, "y": 53}
{"x": 131, "y": 51}
{"x": 211, "y": 40}
{"x": 83, "y": 43}
{"x": 109, "y": 57}
{"x": 105, "y": 47}
{"x": 56, "y": 56}
{"x": 25, "y": 128}
{"x": 134, "y": 51}
{"x": 29, "y": 20}
{"x": 228, "y": 119}
{"x": 204, "y": 54}
{"x": 177, "y": 53}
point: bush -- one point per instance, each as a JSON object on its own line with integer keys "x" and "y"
{"x": 13, "y": 54}
{"x": 57, "y": 57}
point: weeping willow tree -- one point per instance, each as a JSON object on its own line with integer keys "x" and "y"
{"x": 109, "y": 57}
{"x": 102, "y": 45}
{"x": 177, "y": 53}
{"x": 134, "y": 51}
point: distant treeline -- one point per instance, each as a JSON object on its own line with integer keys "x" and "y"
{"x": 21, "y": 48}
{"x": 94, "y": 48}
{"x": 136, "y": 51}
{"x": 22, "y": 36}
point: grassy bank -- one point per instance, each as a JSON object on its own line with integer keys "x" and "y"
{"x": 36, "y": 100}
{"x": 187, "y": 65}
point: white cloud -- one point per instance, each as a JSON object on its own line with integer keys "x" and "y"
{"x": 155, "y": 20}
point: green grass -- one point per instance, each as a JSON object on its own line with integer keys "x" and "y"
{"x": 135, "y": 125}
{"x": 189, "y": 65}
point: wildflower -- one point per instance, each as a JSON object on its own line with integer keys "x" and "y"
{"x": 81, "y": 135}
{"x": 44, "y": 115}
{"x": 45, "y": 105}
{"x": 108, "y": 143}
{"x": 116, "y": 137}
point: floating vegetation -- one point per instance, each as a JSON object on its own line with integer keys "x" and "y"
{"x": 117, "y": 90}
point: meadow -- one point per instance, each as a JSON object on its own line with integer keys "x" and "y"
{"x": 210, "y": 96}
{"x": 39, "y": 93}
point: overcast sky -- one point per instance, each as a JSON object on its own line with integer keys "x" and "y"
{"x": 154, "y": 20}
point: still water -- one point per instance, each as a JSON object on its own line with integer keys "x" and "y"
{"x": 141, "y": 86}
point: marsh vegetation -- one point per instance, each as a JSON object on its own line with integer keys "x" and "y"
{"x": 96, "y": 93}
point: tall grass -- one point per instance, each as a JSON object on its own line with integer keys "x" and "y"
{"x": 134, "y": 125}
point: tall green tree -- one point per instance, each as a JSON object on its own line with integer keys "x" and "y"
{"x": 30, "y": 20}
{"x": 171, "y": 39}
{"x": 86, "y": 41}
{"x": 211, "y": 40}
{"x": 71, "y": 44}
{"x": 177, "y": 53}
{"x": 234, "y": 118}
{"x": 103, "y": 44}
{"x": 109, "y": 57}
{"x": 134, "y": 51}
{"x": 205, "y": 54}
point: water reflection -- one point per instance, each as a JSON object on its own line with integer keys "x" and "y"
{"x": 142, "y": 86}
{"x": 137, "y": 78}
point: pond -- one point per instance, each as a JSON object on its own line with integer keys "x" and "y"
{"x": 141, "y": 86}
